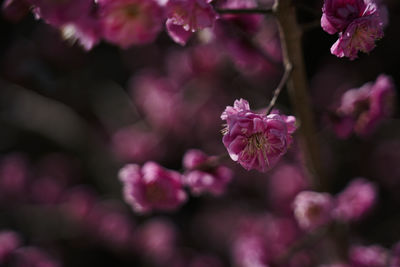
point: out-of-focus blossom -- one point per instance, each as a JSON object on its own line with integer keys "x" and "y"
{"x": 129, "y": 22}
{"x": 256, "y": 141}
{"x": 33, "y": 257}
{"x": 14, "y": 174}
{"x": 261, "y": 241}
{"x": 15, "y": 10}
{"x": 151, "y": 187}
{"x": 156, "y": 239}
{"x": 9, "y": 241}
{"x": 359, "y": 23}
{"x": 284, "y": 184}
{"x": 335, "y": 265}
{"x": 46, "y": 190}
{"x": 85, "y": 30}
{"x": 160, "y": 100}
{"x": 58, "y": 13}
{"x": 395, "y": 256}
{"x": 355, "y": 200}
{"x": 312, "y": 209}
{"x": 212, "y": 179}
{"x": 360, "y": 35}
{"x": 188, "y": 16}
{"x": 78, "y": 202}
{"x": 136, "y": 145}
{"x": 371, "y": 256}
{"x": 364, "y": 108}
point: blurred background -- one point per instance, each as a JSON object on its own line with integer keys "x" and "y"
{"x": 70, "y": 119}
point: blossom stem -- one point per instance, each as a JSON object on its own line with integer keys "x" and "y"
{"x": 282, "y": 83}
{"x": 244, "y": 11}
{"x": 290, "y": 34}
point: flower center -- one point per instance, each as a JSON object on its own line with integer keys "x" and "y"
{"x": 155, "y": 193}
{"x": 256, "y": 142}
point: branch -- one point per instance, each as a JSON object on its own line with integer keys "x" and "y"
{"x": 285, "y": 77}
{"x": 244, "y": 11}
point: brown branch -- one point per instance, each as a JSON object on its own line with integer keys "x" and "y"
{"x": 282, "y": 83}
{"x": 290, "y": 33}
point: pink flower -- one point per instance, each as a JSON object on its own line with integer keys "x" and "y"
{"x": 9, "y": 241}
{"x": 256, "y": 141}
{"x": 371, "y": 256}
{"x": 212, "y": 179}
{"x": 360, "y": 35}
{"x": 355, "y": 201}
{"x": 151, "y": 187}
{"x": 129, "y": 22}
{"x": 359, "y": 23}
{"x": 312, "y": 209}
{"x": 85, "y": 30}
{"x": 338, "y": 14}
{"x": 58, "y": 13}
{"x": 363, "y": 108}
{"x": 188, "y": 16}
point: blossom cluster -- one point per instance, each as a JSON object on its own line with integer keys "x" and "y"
{"x": 120, "y": 22}
{"x": 313, "y": 209}
{"x": 153, "y": 188}
{"x": 359, "y": 24}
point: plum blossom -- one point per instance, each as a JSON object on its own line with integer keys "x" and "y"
{"x": 129, "y": 22}
{"x": 364, "y": 108}
{"x": 371, "y": 256}
{"x": 312, "y": 209}
{"x": 9, "y": 241}
{"x": 212, "y": 179}
{"x": 355, "y": 201}
{"x": 151, "y": 187}
{"x": 256, "y": 141}
{"x": 188, "y": 16}
{"x": 358, "y": 22}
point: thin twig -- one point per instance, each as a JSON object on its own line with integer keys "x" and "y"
{"x": 244, "y": 11}
{"x": 282, "y": 83}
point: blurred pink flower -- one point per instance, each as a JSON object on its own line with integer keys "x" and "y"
{"x": 156, "y": 239}
{"x": 15, "y": 10}
{"x": 188, "y": 16}
{"x": 212, "y": 179}
{"x": 256, "y": 141}
{"x": 9, "y": 241}
{"x": 355, "y": 200}
{"x": 365, "y": 107}
{"x": 371, "y": 256}
{"x": 33, "y": 257}
{"x": 58, "y": 13}
{"x": 151, "y": 187}
{"x": 130, "y": 22}
{"x": 312, "y": 209}
{"x": 14, "y": 176}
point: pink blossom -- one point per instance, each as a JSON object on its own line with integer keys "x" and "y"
{"x": 359, "y": 23}
{"x": 14, "y": 176}
{"x": 85, "y": 30}
{"x": 212, "y": 179}
{"x": 312, "y": 209}
{"x": 284, "y": 184}
{"x": 364, "y": 108}
{"x": 360, "y": 35}
{"x": 338, "y": 14}
{"x": 58, "y": 13}
{"x": 129, "y": 22}
{"x": 355, "y": 201}
{"x": 256, "y": 141}
{"x": 188, "y": 16}
{"x": 151, "y": 187}
{"x": 9, "y": 241}
{"x": 33, "y": 257}
{"x": 156, "y": 239}
{"x": 371, "y": 256}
